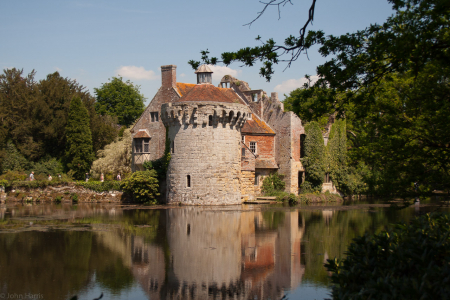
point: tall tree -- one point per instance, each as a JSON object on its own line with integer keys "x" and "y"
{"x": 120, "y": 99}
{"x": 79, "y": 153}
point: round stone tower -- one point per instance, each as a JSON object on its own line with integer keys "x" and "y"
{"x": 204, "y": 132}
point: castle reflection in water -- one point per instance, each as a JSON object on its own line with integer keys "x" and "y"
{"x": 230, "y": 254}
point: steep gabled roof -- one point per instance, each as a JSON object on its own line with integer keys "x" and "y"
{"x": 184, "y": 88}
{"x": 230, "y": 93}
{"x": 142, "y": 133}
{"x": 257, "y": 126}
{"x": 206, "y": 92}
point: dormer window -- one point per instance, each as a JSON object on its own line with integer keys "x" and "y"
{"x": 204, "y": 74}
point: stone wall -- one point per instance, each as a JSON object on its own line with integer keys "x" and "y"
{"x": 247, "y": 185}
{"x": 205, "y": 165}
{"x": 166, "y": 94}
{"x": 288, "y": 128}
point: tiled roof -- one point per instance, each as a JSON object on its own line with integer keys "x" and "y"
{"x": 205, "y": 92}
{"x": 256, "y": 125}
{"x": 142, "y": 134}
{"x": 184, "y": 88}
{"x": 230, "y": 93}
{"x": 265, "y": 163}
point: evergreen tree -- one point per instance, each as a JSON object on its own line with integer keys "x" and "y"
{"x": 79, "y": 152}
{"x": 314, "y": 160}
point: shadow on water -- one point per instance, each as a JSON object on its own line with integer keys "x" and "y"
{"x": 239, "y": 252}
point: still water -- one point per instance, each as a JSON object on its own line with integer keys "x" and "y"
{"x": 234, "y": 252}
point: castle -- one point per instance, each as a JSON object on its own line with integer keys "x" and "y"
{"x": 223, "y": 140}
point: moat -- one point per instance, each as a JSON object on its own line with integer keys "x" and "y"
{"x": 50, "y": 251}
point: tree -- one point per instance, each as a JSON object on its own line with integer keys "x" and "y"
{"x": 34, "y": 115}
{"x": 120, "y": 99}
{"x": 409, "y": 261}
{"x": 79, "y": 153}
{"x": 391, "y": 84}
{"x": 114, "y": 158}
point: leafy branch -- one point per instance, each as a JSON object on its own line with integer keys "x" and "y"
{"x": 269, "y": 52}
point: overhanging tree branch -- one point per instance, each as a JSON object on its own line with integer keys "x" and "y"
{"x": 269, "y": 52}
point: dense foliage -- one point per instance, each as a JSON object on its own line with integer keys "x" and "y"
{"x": 273, "y": 184}
{"x": 115, "y": 158}
{"x": 79, "y": 153}
{"x": 391, "y": 84}
{"x": 120, "y": 99}
{"x": 34, "y": 117}
{"x": 314, "y": 160}
{"x": 143, "y": 186}
{"x": 407, "y": 262}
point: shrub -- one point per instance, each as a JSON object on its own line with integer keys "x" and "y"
{"x": 406, "y": 262}
{"x": 14, "y": 176}
{"x": 307, "y": 188}
{"x": 58, "y": 199}
{"x": 143, "y": 186}
{"x": 273, "y": 185}
{"x": 48, "y": 166}
{"x": 14, "y": 160}
{"x": 74, "y": 197}
{"x": 4, "y": 183}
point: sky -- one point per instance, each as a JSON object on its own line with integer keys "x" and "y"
{"x": 92, "y": 41}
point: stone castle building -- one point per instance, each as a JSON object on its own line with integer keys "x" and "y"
{"x": 223, "y": 140}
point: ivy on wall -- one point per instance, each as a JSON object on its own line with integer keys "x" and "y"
{"x": 314, "y": 160}
{"x": 336, "y": 155}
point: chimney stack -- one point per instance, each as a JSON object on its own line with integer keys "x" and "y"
{"x": 169, "y": 76}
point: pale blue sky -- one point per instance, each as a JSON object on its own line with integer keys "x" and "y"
{"x": 91, "y": 41}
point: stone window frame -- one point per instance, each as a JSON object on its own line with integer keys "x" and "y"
{"x": 255, "y": 97}
{"x": 210, "y": 120}
{"x": 142, "y": 145}
{"x": 243, "y": 139}
{"x": 253, "y": 147}
{"x": 154, "y": 116}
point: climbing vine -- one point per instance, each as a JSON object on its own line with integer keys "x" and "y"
{"x": 336, "y": 155}
{"x": 314, "y": 160}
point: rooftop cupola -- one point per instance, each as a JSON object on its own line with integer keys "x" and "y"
{"x": 204, "y": 74}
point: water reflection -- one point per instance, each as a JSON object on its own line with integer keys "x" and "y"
{"x": 186, "y": 252}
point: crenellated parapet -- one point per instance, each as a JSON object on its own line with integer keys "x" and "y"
{"x": 204, "y": 114}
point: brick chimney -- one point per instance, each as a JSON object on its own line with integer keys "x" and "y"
{"x": 169, "y": 76}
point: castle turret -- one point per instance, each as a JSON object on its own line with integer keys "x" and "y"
{"x": 204, "y": 132}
